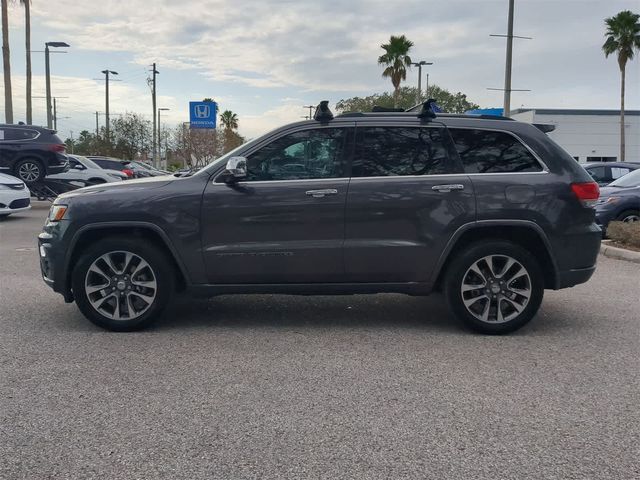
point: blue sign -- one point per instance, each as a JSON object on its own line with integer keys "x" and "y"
{"x": 203, "y": 114}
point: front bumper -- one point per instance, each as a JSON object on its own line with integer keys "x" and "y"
{"x": 52, "y": 259}
{"x": 12, "y": 201}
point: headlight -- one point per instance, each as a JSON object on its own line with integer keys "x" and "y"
{"x": 57, "y": 212}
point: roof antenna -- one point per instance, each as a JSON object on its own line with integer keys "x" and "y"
{"x": 323, "y": 114}
{"x": 428, "y": 111}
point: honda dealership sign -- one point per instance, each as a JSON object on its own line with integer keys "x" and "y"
{"x": 203, "y": 114}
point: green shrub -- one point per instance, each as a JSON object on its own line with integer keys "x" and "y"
{"x": 626, "y": 233}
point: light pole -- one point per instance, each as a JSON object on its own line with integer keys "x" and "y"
{"x": 106, "y": 77}
{"x": 159, "y": 137}
{"x": 48, "y": 77}
{"x": 419, "y": 65}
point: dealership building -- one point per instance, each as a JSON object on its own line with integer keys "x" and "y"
{"x": 588, "y": 135}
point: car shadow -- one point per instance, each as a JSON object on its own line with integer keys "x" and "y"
{"x": 288, "y": 311}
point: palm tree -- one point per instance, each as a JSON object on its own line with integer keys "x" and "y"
{"x": 6, "y": 62}
{"x": 396, "y": 58}
{"x": 229, "y": 120}
{"x": 623, "y": 37}
{"x": 27, "y": 41}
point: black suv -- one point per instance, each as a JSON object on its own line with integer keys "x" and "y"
{"x": 31, "y": 153}
{"x": 487, "y": 209}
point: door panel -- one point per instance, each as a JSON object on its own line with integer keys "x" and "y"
{"x": 285, "y": 223}
{"x": 397, "y": 227}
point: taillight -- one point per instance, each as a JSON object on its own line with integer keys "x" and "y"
{"x": 587, "y": 192}
{"x": 128, "y": 173}
{"x": 58, "y": 147}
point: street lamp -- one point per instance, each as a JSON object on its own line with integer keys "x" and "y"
{"x": 419, "y": 65}
{"x": 106, "y": 97}
{"x": 160, "y": 138}
{"x": 48, "y": 77}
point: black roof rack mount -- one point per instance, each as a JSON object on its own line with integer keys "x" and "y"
{"x": 323, "y": 114}
{"x": 427, "y": 112}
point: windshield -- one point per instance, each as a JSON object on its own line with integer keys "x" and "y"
{"x": 629, "y": 180}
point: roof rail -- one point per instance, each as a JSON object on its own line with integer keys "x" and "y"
{"x": 323, "y": 114}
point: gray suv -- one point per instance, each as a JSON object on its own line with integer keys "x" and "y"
{"x": 488, "y": 210}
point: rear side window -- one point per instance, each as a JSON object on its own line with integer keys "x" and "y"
{"x": 393, "y": 151}
{"x": 13, "y": 134}
{"x": 485, "y": 151}
{"x": 598, "y": 173}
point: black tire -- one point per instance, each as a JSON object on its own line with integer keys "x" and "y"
{"x": 628, "y": 216}
{"x": 459, "y": 275}
{"x": 29, "y": 170}
{"x": 161, "y": 271}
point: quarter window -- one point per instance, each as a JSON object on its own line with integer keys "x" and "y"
{"x": 9, "y": 134}
{"x": 301, "y": 155}
{"x": 393, "y": 151}
{"x": 485, "y": 151}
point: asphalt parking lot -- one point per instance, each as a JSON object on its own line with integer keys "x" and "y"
{"x": 366, "y": 387}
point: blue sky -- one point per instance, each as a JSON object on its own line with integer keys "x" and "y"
{"x": 265, "y": 59}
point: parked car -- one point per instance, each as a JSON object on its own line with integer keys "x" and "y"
{"x": 30, "y": 153}
{"x": 110, "y": 163}
{"x": 606, "y": 172}
{"x": 620, "y": 201}
{"x": 86, "y": 172}
{"x": 142, "y": 170}
{"x": 14, "y": 195}
{"x": 489, "y": 210}
{"x": 148, "y": 166}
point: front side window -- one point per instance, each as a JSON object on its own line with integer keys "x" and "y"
{"x": 303, "y": 155}
{"x": 397, "y": 151}
{"x": 486, "y": 151}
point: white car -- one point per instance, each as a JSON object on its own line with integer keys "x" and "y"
{"x": 84, "y": 171}
{"x": 14, "y": 195}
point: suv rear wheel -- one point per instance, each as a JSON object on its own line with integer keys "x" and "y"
{"x": 120, "y": 284}
{"x": 29, "y": 170}
{"x": 494, "y": 287}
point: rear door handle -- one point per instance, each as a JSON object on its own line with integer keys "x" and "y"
{"x": 321, "y": 193}
{"x": 448, "y": 187}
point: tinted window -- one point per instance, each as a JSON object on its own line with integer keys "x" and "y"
{"x": 301, "y": 155}
{"x": 391, "y": 151}
{"x": 110, "y": 164}
{"x": 17, "y": 134}
{"x": 485, "y": 151}
{"x": 598, "y": 173}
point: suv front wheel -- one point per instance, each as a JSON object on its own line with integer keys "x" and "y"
{"x": 121, "y": 284}
{"x": 494, "y": 287}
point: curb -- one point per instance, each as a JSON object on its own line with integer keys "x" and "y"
{"x": 619, "y": 253}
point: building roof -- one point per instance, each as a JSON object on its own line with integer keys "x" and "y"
{"x": 574, "y": 111}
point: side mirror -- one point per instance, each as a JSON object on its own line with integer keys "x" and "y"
{"x": 79, "y": 166}
{"x": 237, "y": 167}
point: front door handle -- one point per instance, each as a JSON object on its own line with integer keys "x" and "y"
{"x": 448, "y": 187}
{"x": 321, "y": 193}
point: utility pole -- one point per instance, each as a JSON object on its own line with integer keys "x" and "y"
{"x": 97, "y": 130}
{"x": 153, "y": 101}
{"x": 310, "y": 107}
{"x": 507, "y": 69}
{"x": 508, "y": 63}
{"x": 48, "y": 77}
{"x": 55, "y": 116}
{"x": 106, "y": 73}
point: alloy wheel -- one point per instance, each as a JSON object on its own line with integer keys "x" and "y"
{"x": 29, "y": 171}
{"x": 631, "y": 218}
{"x": 121, "y": 285}
{"x": 496, "y": 289}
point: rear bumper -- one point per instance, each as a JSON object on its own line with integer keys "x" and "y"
{"x": 570, "y": 278}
